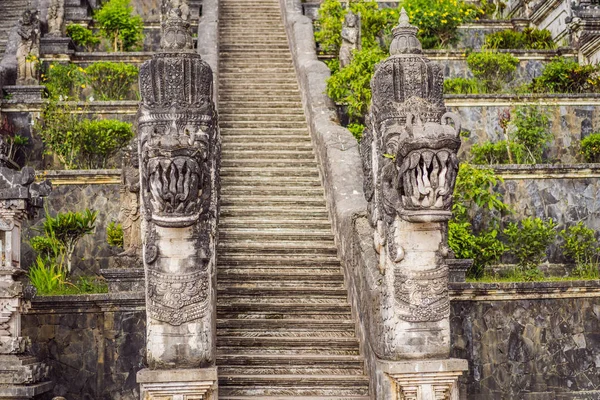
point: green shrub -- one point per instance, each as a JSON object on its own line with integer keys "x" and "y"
{"x": 356, "y": 130}
{"x": 461, "y": 86}
{"x": 525, "y": 144}
{"x": 528, "y": 39}
{"x": 590, "y": 148}
{"x": 82, "y": 36}
{"x": 528, "y": 241}
{"x": 114, "y": 234}
{"x": 62, "y": 233}
{"x": 490, "y": 153}
{"x": 484, "y": 248}
{"x": 47, "y": 277}
{"x": 64, "y": 81}
{"x": 493, "y": 70}
{"x": 119, "y": 26}
{"x": 565, "y": 75}
{"x": 474, "y": 193}
{"x": 329, "y": 25}
{"x": 101, "y": 139}
{"x": 352, "y": 85}
{"x": 111, "y": 80}
{"x": 580, "y": 245}
{"x": 58, "y": 127}
{"x": 438, "y": 20}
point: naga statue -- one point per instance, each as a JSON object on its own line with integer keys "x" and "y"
{"x": 409, "y": 151}
{"x": 179, "y": 149}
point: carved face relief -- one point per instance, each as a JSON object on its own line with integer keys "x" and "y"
{"x": 174, "y": 166}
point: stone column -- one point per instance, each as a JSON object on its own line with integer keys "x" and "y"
{"x": 179, "y": 149}
{"x": 21, "y": 375}
{"x": 409, "y": 156}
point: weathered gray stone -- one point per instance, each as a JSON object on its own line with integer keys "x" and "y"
{"x": 351, "y": 38}
{"x": 28, "y": 52}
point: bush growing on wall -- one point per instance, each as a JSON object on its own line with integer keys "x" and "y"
{"x": 580, "y": 245}
{"x": 119, "y": 26}
{"x": 78, "y": 142}
{"x": 493, "y": 70}
{"x": 64, "y": 81}
{"x": 110, "y": 80}
{"x": 82, "y": 36}
{"x": 528, "y": 39}
{"x": 590, "y": 148}
{"x": 565, "y": 75}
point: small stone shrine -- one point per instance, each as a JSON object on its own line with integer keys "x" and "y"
{"x": 21, "y": 375}
{"x": 179, "y": 148}
{"x": 409, "y": 155}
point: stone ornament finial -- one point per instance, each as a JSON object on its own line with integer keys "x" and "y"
{"x": 405, "y": 37}
{"x": 176, "y": 27}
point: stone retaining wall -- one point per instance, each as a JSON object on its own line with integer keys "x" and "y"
{"x": 523, "y": 341}
{"x": 528, "y": 340}
{"x": 94, "y": 344}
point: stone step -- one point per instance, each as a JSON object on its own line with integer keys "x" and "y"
{"x": 238, "y": 148}
{"x": 277, "y": 285}
{"x": 280, "y": 249}
{"x": 274, "y": 141}
{"x": 286, "y": 259}
{"x": 274, "y": 171}
{"x": 271, "y": 181}
{"x": 285, "y": 327}
{"x": 291, "y": 212}
{"x": 318, "y": 345}
{"x": 265, "y": 131}
{"x": 268, "y": 223}
{"x": 256, "y": 103}
{"x": 276, "y": 235}
{"x": 232, "y": 161}
{"x": 263, "y": 124}
{"x": 237, "y": 117}
{"x": 262, "y": 88}
{"x": 295, "y": 397}
{"x": 275, "y": 201}
{"x": 316, "y": 271}
{"x": 282, "y": 364}
{"x": 296, "y": 385}
{"x": 305, "y": 153}
{"x": 231, "y": 190}
{"x": 235, "y": 78}
{"x": 252, "y": 274}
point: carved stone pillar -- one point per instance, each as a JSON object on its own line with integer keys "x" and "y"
{"x": 409, "y": 155}
{"x": 179, "y": 149}
{"x": 21, "y": 375}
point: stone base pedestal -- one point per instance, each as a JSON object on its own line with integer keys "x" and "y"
{"x": 56, "y": 48}
{"x": 27, "y": 392}
{"x": 419, "y": 379}
{"x": 125, "y": 273}
{"x": 178, "y": 384}
{"x": 25, "y": 93}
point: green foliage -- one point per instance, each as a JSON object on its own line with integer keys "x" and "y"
{"x": 438, "y": 20}
{"x": 565, "y": 75}
{"x": 590, "y": 148}
{"x": 82, "y": 36}
{"x": 580, "y": 244}
{"x": 493, "y": 70}
{"x": 119, "y": 26}
{"x": 111, "y": 80}
{"x": 58, "y": 127}
{"x": 461, "y": 86}
{"x": 374, "y": 23}
{"x": 490, "y": 153}
{"x": 114, "y": 234}
{"x": 492, "y": 9}
{"x": 528, "y": 241}
{"x": 79, "y": 142}
{"x": 474, "y": 193}
{"x": 13, "y": 140}
{"x": 528, "y": 39}
{"x": 102, "y": 139}
{"x": 47, "y": 277}
{"x": 63, "y": 81}
{"x": 356, "y": 130}
{"x": 351, "y": 85}
{"x": 529, "y": 136}
{"x": 484, "y": 248}
{"x": 62, "y": 233}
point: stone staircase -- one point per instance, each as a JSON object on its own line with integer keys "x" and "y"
{"x": 284, "y": 325}
{"x": 11, "y": 11}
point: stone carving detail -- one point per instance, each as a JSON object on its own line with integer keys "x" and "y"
{"x": 351, "y": 37}
{"x": 28, "y": 52}
{"x": 130, "y": 213}
{"x": 409, "y": 158}
{"x": 179, "y": 150}
{"x": 56, "y": 16}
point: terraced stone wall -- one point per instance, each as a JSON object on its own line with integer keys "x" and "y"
{"x": 528, "y": 341}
